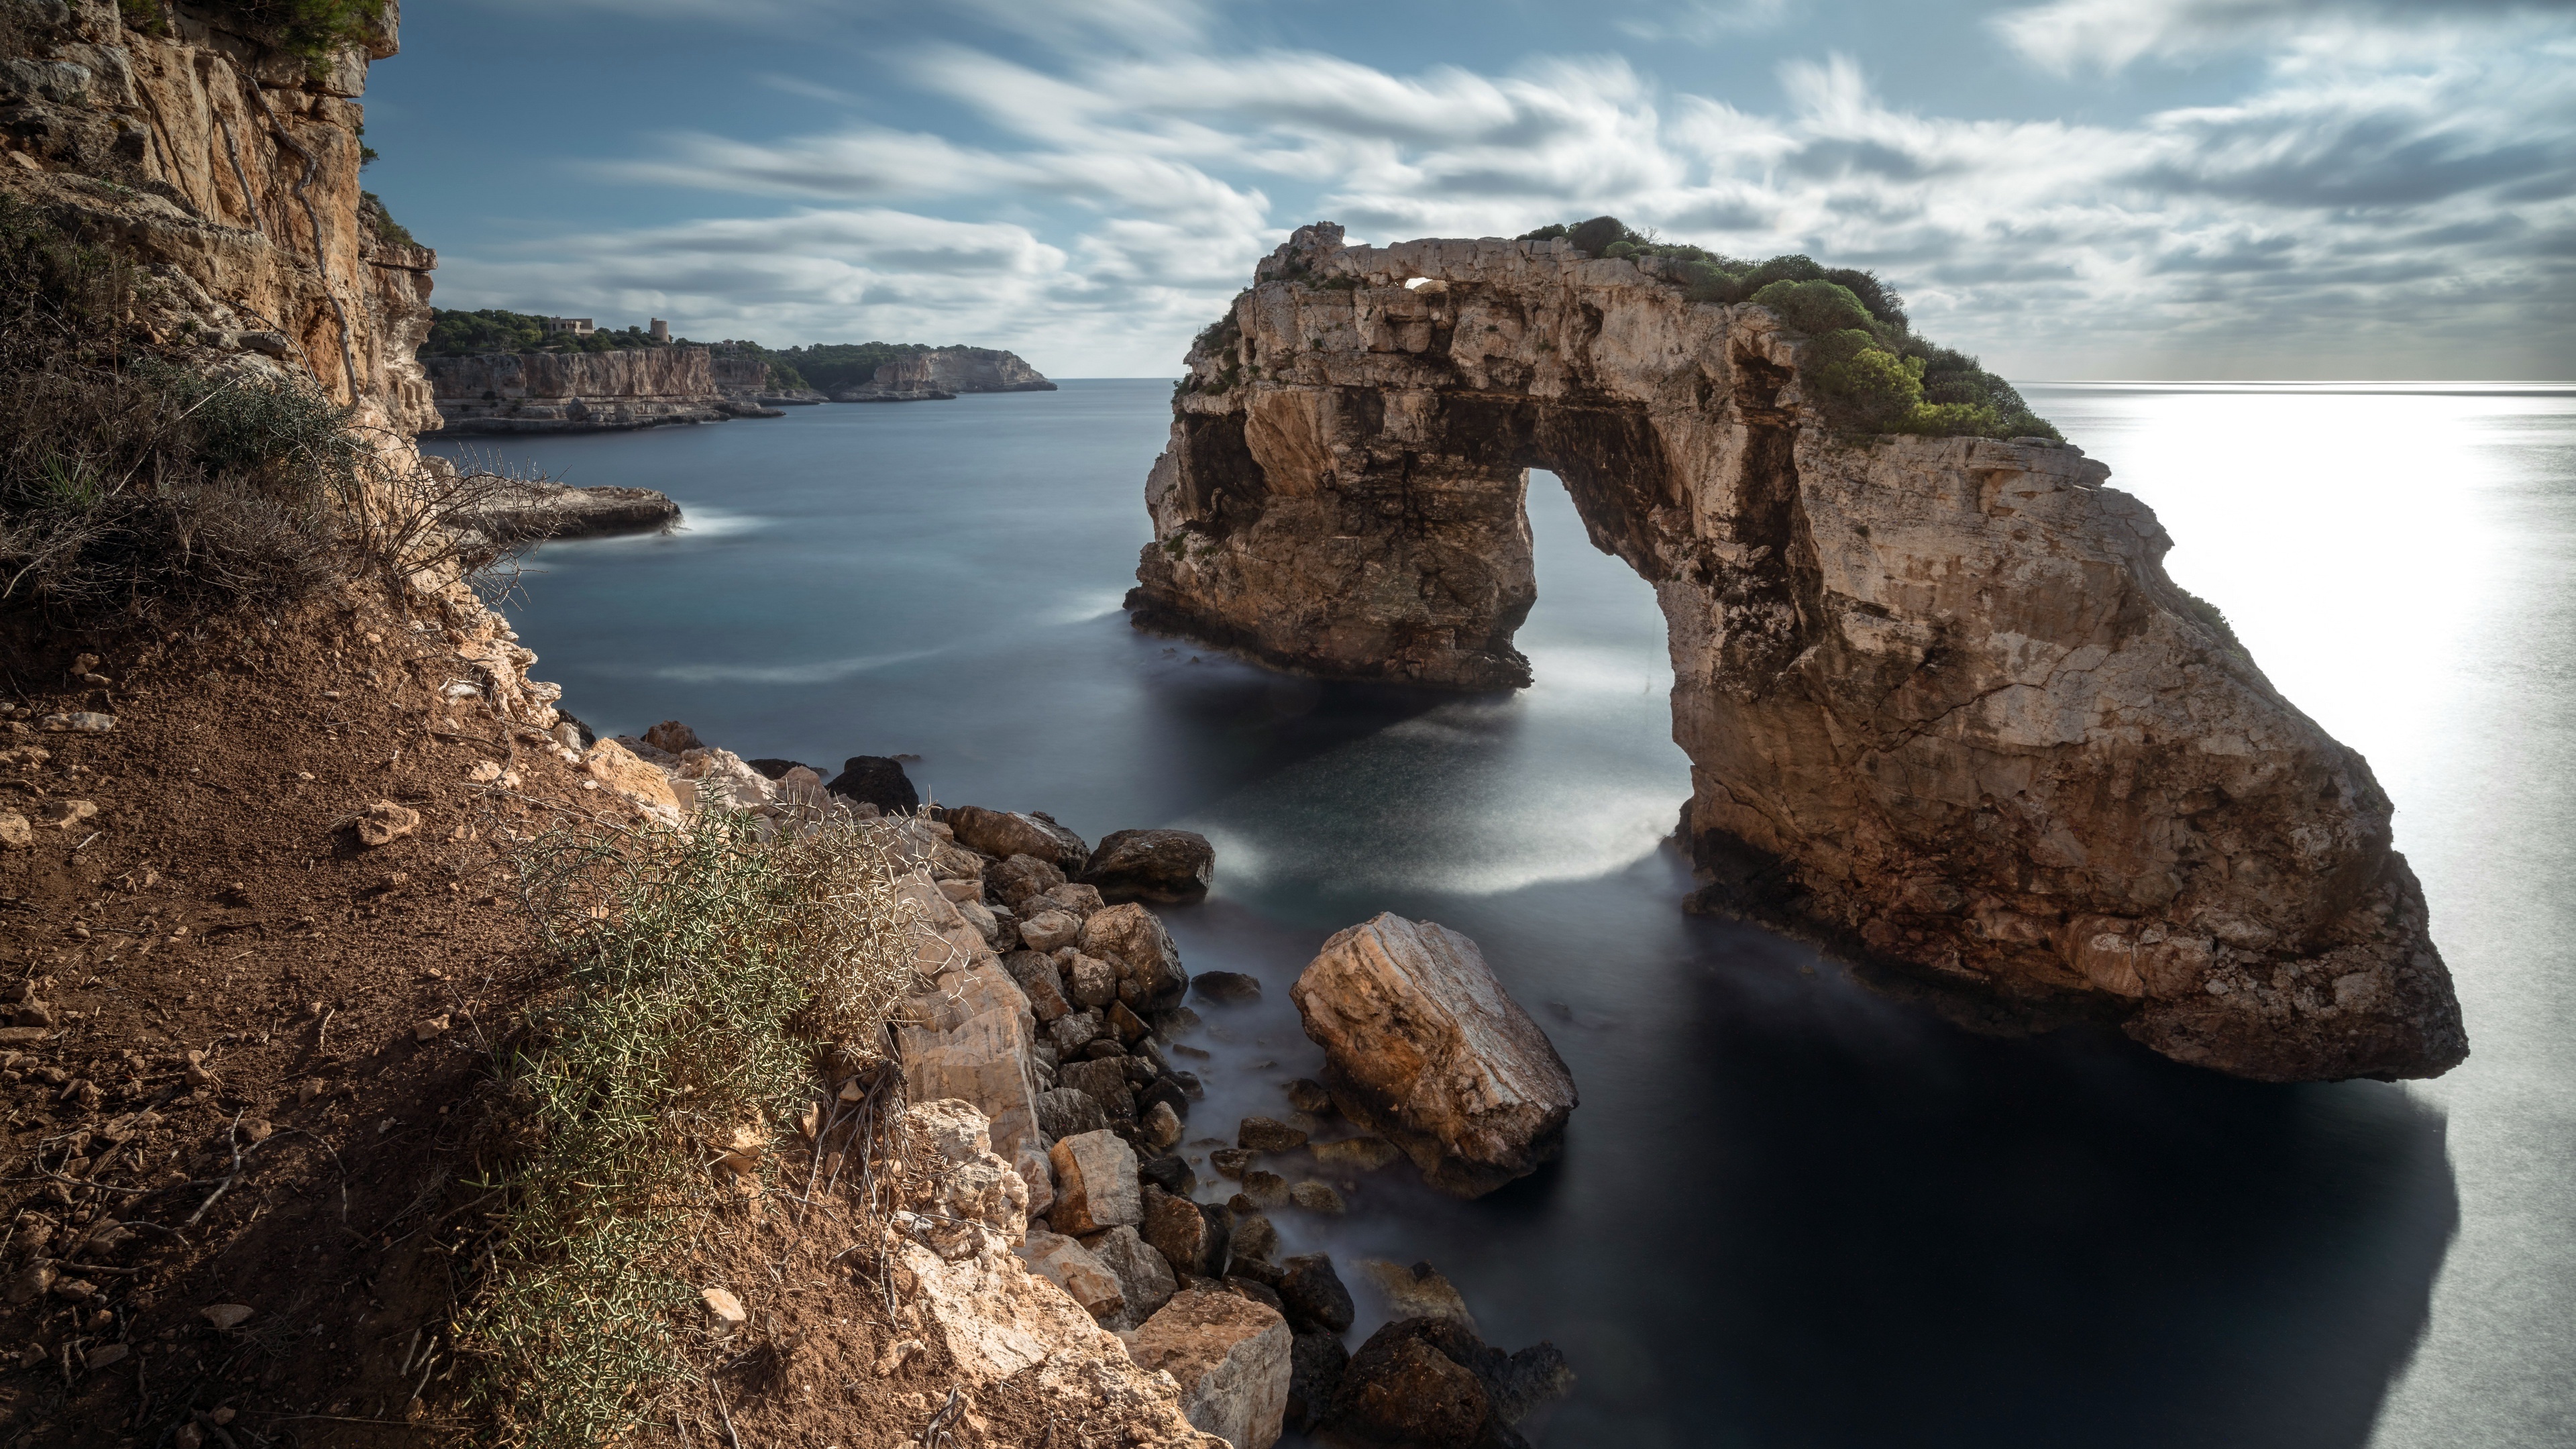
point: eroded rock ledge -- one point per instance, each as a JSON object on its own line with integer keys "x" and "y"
{"x": 1942, "y": 704}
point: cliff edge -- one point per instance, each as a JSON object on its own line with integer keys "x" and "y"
{"x": 1942, "y": 704}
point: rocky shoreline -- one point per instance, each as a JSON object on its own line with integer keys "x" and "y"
{"x": 1054, "y": 1010}
{"x": 531, "y": 510}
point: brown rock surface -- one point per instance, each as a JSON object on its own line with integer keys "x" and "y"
{"x": 1422, "y": 1046}
{"x": 1230, "y": 1356}
{"x": 1944, "y": 707}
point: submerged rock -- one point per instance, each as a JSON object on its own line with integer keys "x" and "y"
{"x": 1423, "y": 1047}
{"x": 1430, "y": 1383}
{"x": 1152, "y": 865}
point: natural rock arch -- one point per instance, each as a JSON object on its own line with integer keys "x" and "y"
{"x": 1941, "y": 702}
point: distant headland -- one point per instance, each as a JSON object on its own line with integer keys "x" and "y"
{"x": 495, "y": 371}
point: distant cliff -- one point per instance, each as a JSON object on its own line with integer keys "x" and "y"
{"x": 944, "y": 372}
{"x": 581, "y": 392}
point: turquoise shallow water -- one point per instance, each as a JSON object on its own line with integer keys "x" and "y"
{"x": 1791, "y": 1212}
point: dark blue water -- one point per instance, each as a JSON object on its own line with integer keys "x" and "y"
{"x": 1793, "y": 1211}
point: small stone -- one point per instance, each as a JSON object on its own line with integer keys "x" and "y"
{"x": 1227, "y": 986}
{"x": 430, "y": 1030}
{"x": 189, "y": 1436}
{"x": 1091, "y": 981}
{"x": 64, "y": 814}
{"x": 1261, "y": 1134}
{"x": 225, "y": 1315}
{"x": 1355, "y": 1154}
{"x": 385, "y": 822}
{"x": 80, "y": 722}
{"x": 33, "y": 1282}
{"x": 1159, "y": 1126}
{"x": 1317, "y": 1197}
{"x": 1074, "y": 1030}
{"x": 1310, "y": 1097}
{"x": 15, "y": 832}
{"x": 1314, "y": 1294}
{"x": 1050, "y": 929}
{"x": 105, "y": 1354}
{"x": 1266, "y": 1189}
{"x": 1130, "y": 1027}
{"x": 1417, "y": 1292}
{"x": 1096, "y": 1186}
{"x": 484, "y": 772}
{"x": 1170, "y": 1171}
{"x": 726, "y": 1308}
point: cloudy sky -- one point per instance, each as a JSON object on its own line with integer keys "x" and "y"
{"x": 2072, "y": 188}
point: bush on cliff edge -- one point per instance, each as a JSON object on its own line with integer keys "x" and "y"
{"x": 1869, "y": 372}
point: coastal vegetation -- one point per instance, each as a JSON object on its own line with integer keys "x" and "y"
{"x": 132, "y": 482}
{"x": 1871, "y": 373}
{"x": 493, "y": 329}
{"x": 308, "y": 29}
{"x": 832, "y": 366}
{"x": 716, "y": 976}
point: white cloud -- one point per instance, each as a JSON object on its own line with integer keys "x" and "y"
{"x": 2065, "y": 35}
{"x": 2413, "y": 205}
{"x": 1704, "y": 22}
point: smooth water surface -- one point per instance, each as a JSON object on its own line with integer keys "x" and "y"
{"x": 1791, "y": 1212}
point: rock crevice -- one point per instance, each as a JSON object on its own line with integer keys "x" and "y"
{"x": 1943, "y": 706}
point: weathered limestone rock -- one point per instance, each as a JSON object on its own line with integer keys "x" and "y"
{"x": 968, "y": 1034}
{"x": 520, "y": 510}
{"x": 1191, "y": 1237}
{"x": 616, "y": 767}
{"x": 1149, "y": 965}
{"x": 1230, "y": 1356}
{"x": 577, "y": 392}
{"x": 1145, "y": 1280}
{"x": 1095, "y": 1184}
{"x": 1944, "y": 707}
{"x": 1006, "y": 833}
{"x": 1152, "y": 865}
{"x": 971, "y": 1193}
{"x": 384, "y": 822}
{"x": 941, "y": 373}
{"x": 1422, "y": 1046}
{"x": 1079, "y": 1272}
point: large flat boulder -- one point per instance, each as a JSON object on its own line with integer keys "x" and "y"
{"x": 1152, "y": 865}
{"x": 1002, "y": 834}
{"x": 1423, "y": 1047}
{"x": 1230, "y": 1356}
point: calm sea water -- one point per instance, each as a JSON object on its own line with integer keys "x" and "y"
{"x": 1791, "y": 1212}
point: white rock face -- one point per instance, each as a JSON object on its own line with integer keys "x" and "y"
{"x": 1423, "y": 1047}
{"x": 995, "y": 1317}
{"x": 1943, "y": 705}
{"x": 968, "y": 1034}
{"x": 1230, "y": 1357}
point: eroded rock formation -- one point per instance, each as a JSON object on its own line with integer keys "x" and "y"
{"x": 944, "y": 372}
{"x": 1942, "y": 704}
{"x": 229, "y": 169}
{"x": 583, "y": 392}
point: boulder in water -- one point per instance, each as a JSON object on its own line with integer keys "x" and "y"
{"x": 1423, "y": 1047}
{"x": 1151, "y": 865}
{"x": 876, "y": 780}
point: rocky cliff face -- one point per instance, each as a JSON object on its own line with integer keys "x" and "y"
{"x": 1943, "y": 706}
{"x": 944, "y": 372}
{"x": 230, "y": 169}
{"x": 585, "y": 392}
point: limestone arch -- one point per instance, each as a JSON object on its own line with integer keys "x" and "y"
{"x": 1943, "y": 707}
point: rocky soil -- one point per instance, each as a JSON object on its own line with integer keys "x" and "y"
{"x": 1944, "y": 708}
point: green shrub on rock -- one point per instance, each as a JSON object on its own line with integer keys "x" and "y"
{"x": 1817, "y": 306}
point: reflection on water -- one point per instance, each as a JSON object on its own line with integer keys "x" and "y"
{"x": 1791, "y": 1212}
